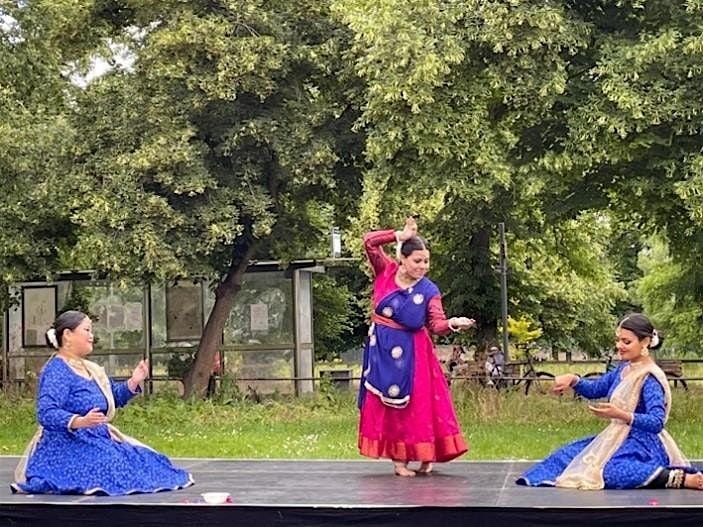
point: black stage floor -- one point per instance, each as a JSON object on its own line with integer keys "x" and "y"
{"x": 316, "y": 493}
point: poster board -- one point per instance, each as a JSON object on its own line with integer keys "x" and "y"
{"x": 38, "y": 314}
{"x": 184, "y": 311}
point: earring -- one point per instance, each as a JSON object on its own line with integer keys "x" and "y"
{"x": 645, "y": 352}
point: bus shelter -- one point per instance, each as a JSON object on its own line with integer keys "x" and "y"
{"x": 267, "y": 341}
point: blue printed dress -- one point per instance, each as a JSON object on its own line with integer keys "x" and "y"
{"x": 89, "y": 460}
{"x": 641, "y": 456}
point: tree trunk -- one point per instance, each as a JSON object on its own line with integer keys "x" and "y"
{"x": 482, "y": 268}
{"x": 195, "y": 382}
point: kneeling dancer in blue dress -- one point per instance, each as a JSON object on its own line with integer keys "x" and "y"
{"x": 634, "y": 450}
{"x": 75, "y": 449}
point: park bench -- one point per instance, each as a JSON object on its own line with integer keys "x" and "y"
{"x": 469, "y": 371}
{"x": 673, "y": 370}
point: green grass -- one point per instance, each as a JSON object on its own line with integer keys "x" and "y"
{"x": 498, "y": 425}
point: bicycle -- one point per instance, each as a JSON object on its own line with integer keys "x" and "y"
{"x": 534, "y": 381}
{"x": 593, "y": 375}
{"x": 609, "y": 366}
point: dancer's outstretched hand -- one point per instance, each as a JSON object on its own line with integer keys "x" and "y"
{"x": 563, "y": 382}
{"x": 461, "y": 323}
{"x": 141, "y": 372}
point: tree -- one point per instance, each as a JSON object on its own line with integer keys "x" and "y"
{"x": 631, "y": 139}
{"x": 566, "y": 282}
{"x": 219, "y": 140}
{"x": 337, "y": 311}
{"x": 668, "y": 293}
{"x": 36, "y": 146}
{"x": 230, "y": 149}
{"x": 533, "y": 113}
{"x": 457, "y": 103}
{"x": 240, "y": 129}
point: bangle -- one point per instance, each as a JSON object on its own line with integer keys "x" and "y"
{"x": 72, "y": 420}
{"x": 130, "y": 383}
{"x": 398, "y": 246}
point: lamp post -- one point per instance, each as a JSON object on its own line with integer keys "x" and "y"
{"x": 336, "y": 242}
{"x": 504, "y": 289}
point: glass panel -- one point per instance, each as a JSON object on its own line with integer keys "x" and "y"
{"x": 262, "y": 314}
{"x": 260, "y": 364}
{"x": 119, "y": 365}
{"x": 183, "y": 336}
{"x": 118, "y": 324}
{"x": 117, "y": 313}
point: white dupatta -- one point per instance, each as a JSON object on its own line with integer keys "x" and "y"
{"x": 586, "y": 470}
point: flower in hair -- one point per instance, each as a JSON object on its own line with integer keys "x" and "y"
{"x": 51, "y": 335}
{"x": 655, "y": 339}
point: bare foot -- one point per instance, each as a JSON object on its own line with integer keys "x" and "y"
{"x": 425, "y": 468}
{"x": 693, "y": 481}
{"x": 401, "y": 469}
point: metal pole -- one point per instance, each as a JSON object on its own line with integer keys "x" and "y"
{"x": 147, "y": 322}
{"x": 504, "y": 289}
{"x": 5, "y": 348}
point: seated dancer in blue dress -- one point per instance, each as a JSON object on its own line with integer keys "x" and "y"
{"x": 76, "y": 450}
{"x": 634, "y": 450}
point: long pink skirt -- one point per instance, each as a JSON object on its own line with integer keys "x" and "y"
{"x": 426, "y": 429}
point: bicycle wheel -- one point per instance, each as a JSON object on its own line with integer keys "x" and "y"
{"x": 540, "y": 383}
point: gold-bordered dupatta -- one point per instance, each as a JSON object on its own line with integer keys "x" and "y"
{"x": 586, "y": 470}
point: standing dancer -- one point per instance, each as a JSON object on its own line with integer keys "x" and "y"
{"x": 634, "y": 450}
{"x": 406, "y": 409}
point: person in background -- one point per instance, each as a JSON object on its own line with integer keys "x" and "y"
{"x": 76, "y": 450}
{"x": 495, "y": 364}
{"x": 456, "y": 359}
{"x": 634, "y": 450}
{"x": 406, "y": 408}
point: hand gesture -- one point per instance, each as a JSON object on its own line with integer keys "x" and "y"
{"x": 461, "y": 323}
{"x": 409, "y": 230}
{"x": 608, "y": 411}
{"x": 90, "y": 420}
{"x": 563, "y": 382}
{"x": 141, "y": 372}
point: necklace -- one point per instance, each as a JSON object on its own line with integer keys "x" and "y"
{"x": 638, "y": 364}
{"x": 77, "y": 364}
{"x": 403, "y": 279}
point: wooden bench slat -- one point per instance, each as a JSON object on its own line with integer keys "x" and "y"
{"x": 671, "y": 367}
